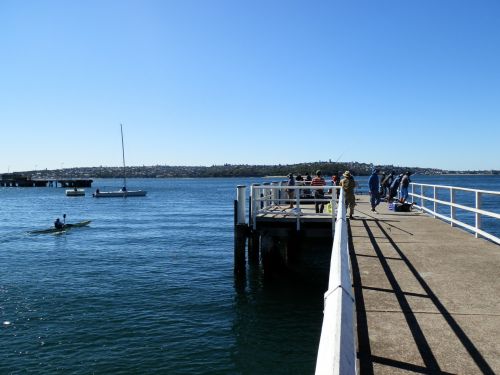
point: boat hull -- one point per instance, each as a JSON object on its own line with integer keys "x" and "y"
{"x": 75, "y": 193}
{"x": 119, "y": 194}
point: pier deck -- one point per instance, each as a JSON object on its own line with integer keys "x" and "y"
{"x": 427, "y": 295}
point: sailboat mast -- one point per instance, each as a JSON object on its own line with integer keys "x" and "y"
{"x": 123, "y": 157}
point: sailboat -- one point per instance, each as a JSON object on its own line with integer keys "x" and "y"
{"x": 123, "y": 192}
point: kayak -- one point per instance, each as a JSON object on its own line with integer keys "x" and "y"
{"x": 65, "y": 228}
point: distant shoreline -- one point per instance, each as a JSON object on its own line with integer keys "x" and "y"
{"x": 230, "y": 170}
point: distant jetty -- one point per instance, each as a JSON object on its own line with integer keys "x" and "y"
{"x": 19, "y": 180}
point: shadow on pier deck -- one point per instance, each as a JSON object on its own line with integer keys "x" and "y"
{"x": 427, "y": 295}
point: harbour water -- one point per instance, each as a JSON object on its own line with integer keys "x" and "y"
{"x": 148, "y": 287}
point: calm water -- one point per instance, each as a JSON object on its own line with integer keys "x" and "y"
{"x": 149, "y": 287}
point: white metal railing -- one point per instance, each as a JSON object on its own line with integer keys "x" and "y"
{"x": 337, "y": 350}
{"x": 420, "y": 198}
{"x": 269, "y": 198}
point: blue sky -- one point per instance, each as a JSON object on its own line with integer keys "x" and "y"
{"x": 202, "y": 82}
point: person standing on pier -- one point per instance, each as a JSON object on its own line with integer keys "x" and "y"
{"x": 405, "y": 182}
{"x": 348, "y": 184}
{"x": 385, "y": 184}
{"x": 291, "y": 192}
{"x": 393, "y": 190}
{"x": 319, "y": 194}
{"x": 336, "y": 182}
{"x": 373, "y": 185}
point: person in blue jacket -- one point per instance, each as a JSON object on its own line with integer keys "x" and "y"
{"x": 373, "y": 185}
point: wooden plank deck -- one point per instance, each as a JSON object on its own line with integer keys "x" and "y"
{"x": 282, "y": 213}
{"x": 427, "y": 295}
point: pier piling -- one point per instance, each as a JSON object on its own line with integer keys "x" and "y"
{"x": 240, "y": 231}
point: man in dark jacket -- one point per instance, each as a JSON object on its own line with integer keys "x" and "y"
{"x": 373, "y": 185}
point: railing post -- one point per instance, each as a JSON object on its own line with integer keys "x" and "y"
{"x": 434, "y": 201}
{"x": 478, "y": 215}
{"x": 422, "y": 196}
{"x": 265, "y": 195}
{"x": 241, "y": 198}
{"x": 335, "y": 204}
{"x": 452, "y": 207}
{"x": 274, "y": 193}
{"x": 297, "y": 198}
{"x": 412, "y": 192}
{"x": 255, "y": 194}
{"x": 297, "y": 206}
{"x": 332, "y": 203}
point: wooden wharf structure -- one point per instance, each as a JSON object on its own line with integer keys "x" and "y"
{"x": 17, "y": 180}
{"x": 407, "y": 293}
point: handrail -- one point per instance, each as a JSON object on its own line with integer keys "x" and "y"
{"x": 458, "y": 188}
{"x": 337, "y": 350}
{"x": 266, "y": 198}
{"x": 477, "y": 210}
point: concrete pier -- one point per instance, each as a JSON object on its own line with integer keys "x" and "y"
{"x": 427, "y": 295}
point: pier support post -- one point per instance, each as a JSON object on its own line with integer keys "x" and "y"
{"x": 240, "y": 231}
{"x": 268, "y": 255}
{"x": 239, "y": 244}
{"x": 253, "y": 248}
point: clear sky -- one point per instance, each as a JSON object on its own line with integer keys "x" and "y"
{"x": 202, "y": 82}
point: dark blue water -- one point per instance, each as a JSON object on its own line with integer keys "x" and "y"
{"x": 149, "y": 286}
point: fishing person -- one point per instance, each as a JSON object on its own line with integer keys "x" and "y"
{"x": 336, "y": 182}
{"x": 373, "y": 185}
{"x": 385, "y": 185}
{"x": 348, "y": 184}
{"x": 405, "y": 182}
{"x": 393, "y": 190}
{"x": 319, "y": 194}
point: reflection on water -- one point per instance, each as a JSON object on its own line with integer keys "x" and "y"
{"x": 278, "y": 319}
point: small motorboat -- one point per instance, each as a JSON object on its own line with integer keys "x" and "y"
{"x": 75, "y": 192}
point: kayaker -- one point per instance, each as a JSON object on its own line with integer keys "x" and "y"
{"x": 58, "y": 224}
